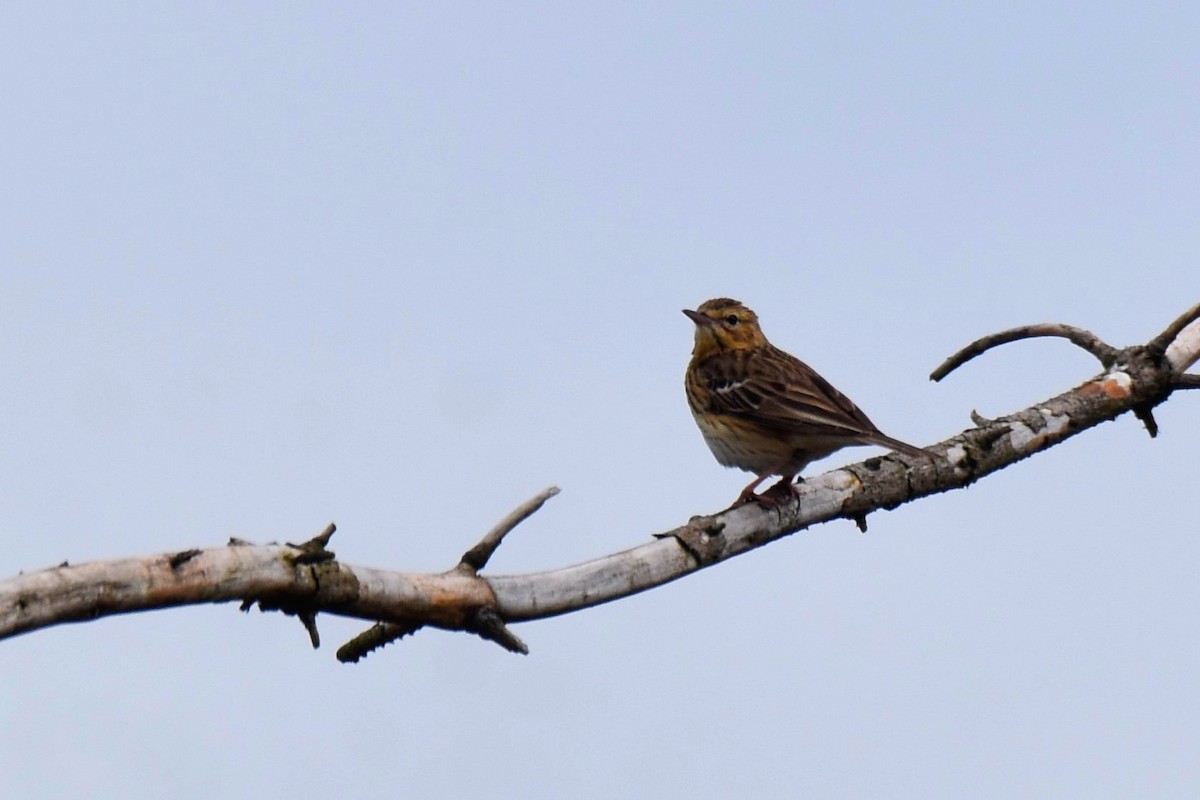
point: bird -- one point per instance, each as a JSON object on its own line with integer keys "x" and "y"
{"x": 763, "y": 410}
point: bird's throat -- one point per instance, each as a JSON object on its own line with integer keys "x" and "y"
{"x": 706, "y": 344}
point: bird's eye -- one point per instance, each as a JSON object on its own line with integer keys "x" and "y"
{"x": 731, "y": 320}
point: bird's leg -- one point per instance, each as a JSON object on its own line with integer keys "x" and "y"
{"x": 748, "y": 494}
{"x": 780, "y": 492}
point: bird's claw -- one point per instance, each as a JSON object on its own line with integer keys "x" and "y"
{"x": 778, "y": 494}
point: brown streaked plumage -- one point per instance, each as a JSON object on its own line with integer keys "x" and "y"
{"x": 763, "y": 410}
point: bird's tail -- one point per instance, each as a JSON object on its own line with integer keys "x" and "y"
{"x": 886, "y": 441}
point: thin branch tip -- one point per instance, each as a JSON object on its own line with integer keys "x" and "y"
{"x": 316, "y": 549}
{"x": 1160, "y": 343}
{"x": 477, "y": 557}
{"x": 1146, "y": 415}
{"x": 487, "y": 622}
{"x": 308, "y": 619}
{"x": 980, "y": 420}
{"x": 1105, "y": 353}
{"x": 179, "y": 559}
{"x": 373, "y": 638}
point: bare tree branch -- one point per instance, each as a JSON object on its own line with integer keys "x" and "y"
{"x": 373, "y": 638}
{"x": 307, "y": 579}
{"x": 477, "y": 557}
{"x": 483, "y": 621}
{"x": 1184, "y": 349}
{"x": 1085, "y": 339}
{"x": 1160, "y": 343}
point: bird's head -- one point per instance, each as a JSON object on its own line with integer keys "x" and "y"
{"x": 724, "y": 324}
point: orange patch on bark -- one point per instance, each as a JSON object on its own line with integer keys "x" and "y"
{"x": 1115, "y": 389}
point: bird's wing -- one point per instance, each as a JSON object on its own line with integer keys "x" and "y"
{"x": 779, "y": 391}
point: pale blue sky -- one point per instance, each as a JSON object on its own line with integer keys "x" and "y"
{"x": 263, "y": 266}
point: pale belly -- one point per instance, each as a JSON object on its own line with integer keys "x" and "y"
{"x": 761, "y": 454}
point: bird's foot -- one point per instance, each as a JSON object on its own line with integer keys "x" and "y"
{"x": 779, "y": 493}
{"x": 747, "y": 496}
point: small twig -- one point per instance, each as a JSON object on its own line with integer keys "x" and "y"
{"x": 477, "y": 557}
{"x": 980, "y": 420}
{"x": 314, "y": 550}
{"x": 307, "y": 614}
{"x": 1146, "y": 415}
{"x": 308, "y": 618}
{"x": 373, "y": 638}
{"x": 989, "y": 437}
{"x": 1187, "y": 381}
{"x": 311, "y": 552}
{"x": 485, "y": 621}
{"x": 1159, "y": 344}
{"x": 179, "y": 559}
{"x": 1184, "y": 351}
{"x": 1107, "y": 354}
{"x": 488, "y": 624}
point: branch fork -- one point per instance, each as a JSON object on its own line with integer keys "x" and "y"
{"x": 483, "y": 620}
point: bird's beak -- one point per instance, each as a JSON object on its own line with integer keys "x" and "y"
{"x": 698, "y": 318}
